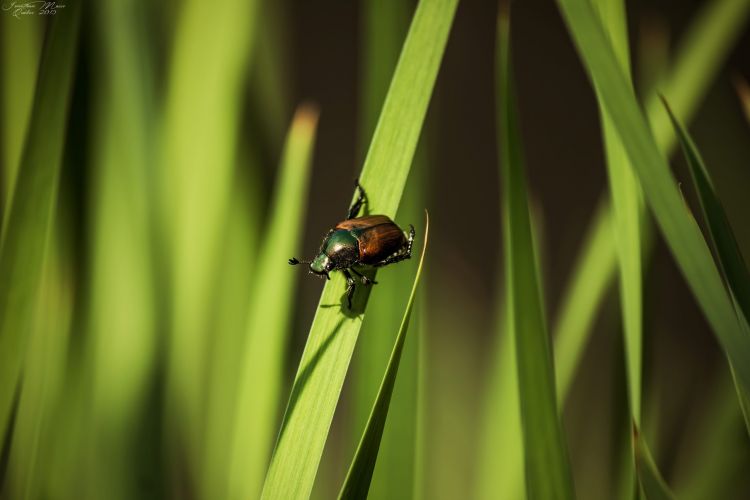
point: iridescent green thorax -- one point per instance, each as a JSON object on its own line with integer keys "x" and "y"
{"x": 339, "y": 241}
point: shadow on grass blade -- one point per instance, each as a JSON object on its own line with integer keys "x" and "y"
{"x": 357, "y": 482}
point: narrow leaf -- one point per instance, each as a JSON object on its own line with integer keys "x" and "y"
{"x": 335, "y": 329}
{"x": 626, "y": 201}
{"x": 722, "y": 238}
{"x": 357, "y": 482}
{"x": 547, "y": 469}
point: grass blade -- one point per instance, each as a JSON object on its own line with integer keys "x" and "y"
{"x": 722, "y": 238}
{"x": 384, "y": 25}
{"x": 702, "y": 50}
{"x": 26, "y": 238}
{"x": 730, "y": 261}
{"x": 653, "y": 484}
{"x": 357, "y": 483}
{"x": 334, "y": 330}
{"x": 269, "y": 315}
{"x": 679, "y": 229}
{"x": 626, "y": 201}
{"x": 547, "y": 469}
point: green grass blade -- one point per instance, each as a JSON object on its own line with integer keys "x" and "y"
{"x": 652, "y": 483}
{"x": 706, "y": 44}
{"x": 20, "y": 42}
{"x": 26, "y": 238}
{"x": 384, "y": 25}
{"x": 212, "y": 51}
{"x": 627, "y": 213}
{"x": 357, "y": 483}
{"x": 723, "y": 240}
{"x": 547, "y": 469}
{"x": 334, "y": 330}
{"x": 679, "y": 229}
{"x": 269, "y": 315}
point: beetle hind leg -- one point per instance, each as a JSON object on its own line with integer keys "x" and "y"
{"x": 403, "y": 254}
{"x": 357, "y": 205}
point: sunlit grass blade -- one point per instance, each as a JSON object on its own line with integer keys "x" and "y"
{"x": 501, "y": 475}
{"x": 547, "y": 469}
{"x": 679, "y": 229}
{"x": 384, "y": 25}
{"x": 627, "y": 213}
{"x": 21, "y": 42}
{"x": 335, "y": 329}
{"x": 26, "y": 238}
{"x": 357, "y": 483}
{"x": 269, "y": 317}
{"x": 210, "y": 57}
{"x": 651, "y": 480}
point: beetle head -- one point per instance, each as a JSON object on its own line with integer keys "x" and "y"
{"x": 321, "y": 265}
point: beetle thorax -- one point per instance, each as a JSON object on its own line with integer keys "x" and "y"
{"x": 342, "y": 248}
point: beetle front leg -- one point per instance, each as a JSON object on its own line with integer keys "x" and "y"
{"x": 350, "y": 287}
{"x": 361, "y": 200}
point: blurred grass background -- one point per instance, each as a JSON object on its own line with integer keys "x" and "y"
{"x": 161, "y": 328}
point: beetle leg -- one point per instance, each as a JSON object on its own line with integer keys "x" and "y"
{"x": 361, "y": 200}
{"x": 403, "y": 254}
{"x": 365, "y": 280}
{"x": 350, "y": 286}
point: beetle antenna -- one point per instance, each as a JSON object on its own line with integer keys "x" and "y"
{"x": 294, "y": 261}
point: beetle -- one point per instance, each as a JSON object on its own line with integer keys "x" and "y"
{"x": 367, "y": 241}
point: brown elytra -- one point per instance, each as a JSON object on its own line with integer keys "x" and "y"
{"x": 378, "y": 236}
